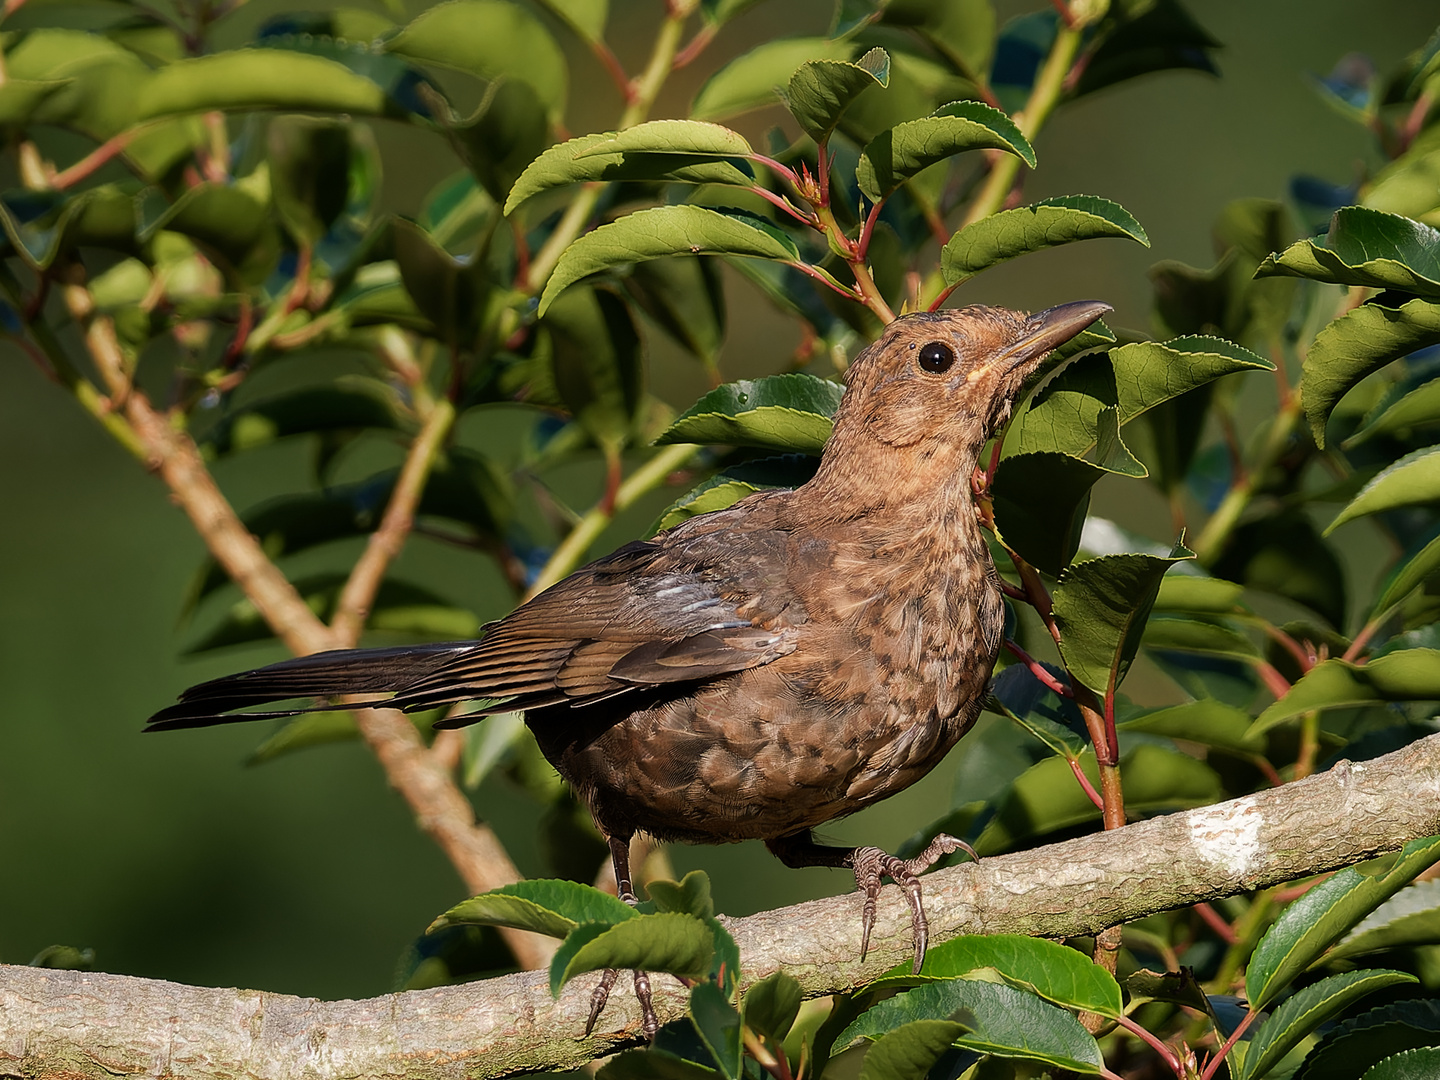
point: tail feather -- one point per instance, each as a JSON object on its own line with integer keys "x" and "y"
{"x": 320, "y": 675}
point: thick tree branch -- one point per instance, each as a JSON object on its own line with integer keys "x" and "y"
{"x": 440, "y": 807}
{"x": 75, "y": 1024}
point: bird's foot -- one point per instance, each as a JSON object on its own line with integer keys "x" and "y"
{"x": 601, "y": 994}
{"x": 871, "y": 865}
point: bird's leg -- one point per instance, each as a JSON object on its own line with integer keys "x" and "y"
{"x": 620, "y": 859}
{"x": 871, "y": 865}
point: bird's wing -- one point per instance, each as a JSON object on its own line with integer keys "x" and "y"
{"x": 705, "y": 599}
{"x": 672, "y": 610}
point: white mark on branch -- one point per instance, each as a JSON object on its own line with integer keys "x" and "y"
{"x": 1228, "y": 836}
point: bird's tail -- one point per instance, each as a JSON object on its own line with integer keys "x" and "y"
{"x": 320, "y": 675}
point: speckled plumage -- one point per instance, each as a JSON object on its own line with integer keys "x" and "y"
{"x": 757, "y": 671}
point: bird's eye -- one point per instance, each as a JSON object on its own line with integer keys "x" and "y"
{"x": 936, "y": 357}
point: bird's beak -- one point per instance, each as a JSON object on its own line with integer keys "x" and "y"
{"x": 1049, "y": 329}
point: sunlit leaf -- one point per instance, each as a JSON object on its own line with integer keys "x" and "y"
{"x": 784, "y": 412}
{"x": 667, "y": 230}
{"x": 895, "y": 155}
{"x": 821, "y": 90}
{"x": 679, "y": 944}
{"x": 1056, "y": 973}
{"x": 1047, "y": 223}
{"x": 1410, "y": 917}
{"x": 1415, "y": 478}
{"x": 1369, "y": 248}
{"x": 752, "y": 78}
{"x": 1407, "y": 675}
{"x": 909, "y": 1051}
{"x": 546, "y": 907}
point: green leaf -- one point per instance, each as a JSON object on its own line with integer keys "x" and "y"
{"x": 689, "y": 138}
{"x": 549, "y": 907}
{"x": 316, "y": 729}
{"x": 489, "y": 39}
{"x": 1357, "y": 1043}
{"x": 597, "y": 363}
{"x": 1369, "y": 248}
{"x": 572, "y": 163}
{"x": 820, "y": 91}
{"x": 450, "y": 293}
{"x": 718, "y": 1025}
{"x": 1310, "y": 1007}
{"x": 752, "y": 79}
{"x": 1046, "y": 968}
{"x": 1407, "y": 675}
{"x": 41, "y": 225}
{"x": 227, "y": 222}
{"x": 1046, "y": 532}
{"x": 258, "y": 78}
{"x": 349, "y": 404}
{"x": 1198, "y": 595}
{"x": 895, "y": 155}
{"x": 1016, "y": 693}
{"x": 1313, "y": 922}
{"x": 685, "y": 297}
{"x": 771, "y": 1006}
{"x": 667, "y": 230}
{"x": 689, "y": 897}
{"x": 1002, "y": 1021}
{"x": 1420, "y": 1064}
{"x": 1283, "y": 554}
{"x": 714, "y": 494}
{"x": 908, "y": 1052}
{"x": 1207, "y": 637}
{"x": 1048, "y": 223}
{"x": 1207, "y": 722}
{"x": 1357, "y": 344}
{"x": 1415, "y": 478}
{"x": 100, "y": 79}
{"x": 679, "y": 944}
{"x": 1139, "y": 40}
{"x": 1412, "y": 568}
{"x": 1101, "y": 606}
{"x": 1418, "y": 409}
{"x": 585, "y": 17}
{"x": 504, "y": 135}
{"x": 783, "y": 412}
{"x": 654, "y": 1063}
{"x": 1046, "y": 798}
{"x": 20, "y": 97}
{"x": 1064, "y": 416}
{"x": 1410, "y": 917}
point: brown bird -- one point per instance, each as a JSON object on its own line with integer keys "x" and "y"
{"x": 758, "y": 671}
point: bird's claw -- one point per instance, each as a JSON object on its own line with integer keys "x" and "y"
{"x": 871, "y": 865}
{"x": 601, "y": 994}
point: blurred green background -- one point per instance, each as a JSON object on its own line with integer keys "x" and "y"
{"x": 170, "y": 859}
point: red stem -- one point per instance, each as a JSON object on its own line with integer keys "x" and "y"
{"x": 1276, "y": 683}
{"x": 1170, "y": 1057}
{"x": 775, "y": 167}
{"x": 694, "y": 47}
{"x": 1038, "y": 670}
{"x": 1240, "y": 1029}
{"x": 611, "y": 63}
{"x": 1212, "y": 919}
{"x": 105, "y": 152}
{"x": 849, "y": 294}
{"x": 1088, "y": 787}
{"x": 863, "y": 245}
{"x": 785, "y": 204}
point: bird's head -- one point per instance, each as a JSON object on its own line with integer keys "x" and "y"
{"x": 926, "y": 396}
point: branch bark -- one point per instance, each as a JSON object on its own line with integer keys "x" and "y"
{"x": 77, "y": 1024}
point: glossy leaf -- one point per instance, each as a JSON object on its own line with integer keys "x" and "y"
{"x": 683, "y": 294}
{"x": 1208, "y": 637}
{"x": 488, "y": 39}
{"x": 771, "y": 1006}
{"x": 1198, "y": 594}
{"x": 347, "y": 405}
{"x": 1002, "y": 1021}
{"x": 1357, "y": 344}
{"x": 1046, "y": 968}
{"x": 1359, "y": 1042}
{"x": 655, "y": 1063}
{"x": 1101, "y": 606}
{"x": 596, "y": 363}
{"x": 1054, "y": 720}
{"x": 1417, "y": 564}
{"x": 690, "y": 896}
{"x": 667, "y": 230}
{"x": 573, "y": 162}
{"x": 547, "y": 907}
{"x": 303, "y": 732}
{"x": 679, "y": 944}
{"x": 909, "y": 1051}
{"x": 1046, "y": 798}
{"x": 821, "y": 90}
{"x": 504, "y": 135}
{"x": 718, "y": 1025}
{"x": 1419, "y": 1064}
{"x": 1161, "y": 36}
{"x": 1313, "y": 922}
{"x": 1407, "y": 675}
{"x": 258, "y": 78}
{"x": 586, "y": 17}
{"x": 1207, "y": 722}
{"x": 704, "y": 499}
{"x": 1417, "y": 410}
{"x": 750, "y": 80}
{"x": 692, "y": 138}
{"x": 1369, "y": 248}
{"x": 1047, "y": 223}
{"x": 1063, "y": 417}
{"x": 784, "y": 412}
{"x": 1410, "y": 917}
{"x": 1306, "y": 1010}
{"x": 896, "y": 155}
{"x": 1415, "y": 478}
{"x": 448, "y": 292}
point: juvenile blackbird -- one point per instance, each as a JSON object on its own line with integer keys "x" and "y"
{"x": 755, "y": 672}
